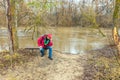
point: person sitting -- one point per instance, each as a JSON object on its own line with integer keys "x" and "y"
{"x": 44, "y": 43}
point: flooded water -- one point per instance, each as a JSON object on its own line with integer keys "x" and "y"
{"x": 72, "y": 40}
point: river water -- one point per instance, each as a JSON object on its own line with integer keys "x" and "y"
{"x": 72, "y": 40}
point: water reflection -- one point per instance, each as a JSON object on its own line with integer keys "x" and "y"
{"x": 67, "y": 40}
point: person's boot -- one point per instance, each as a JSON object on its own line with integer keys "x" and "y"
{"x": 42, "y": 55}
{"x": 50, "y": 58}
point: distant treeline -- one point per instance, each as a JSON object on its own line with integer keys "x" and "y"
{"x": 84, "y": 13}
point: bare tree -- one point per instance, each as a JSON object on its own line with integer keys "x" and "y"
{"x": 115, "y": 21}
{"x": 9, "y": 28}
{"x": 12, "y": 30}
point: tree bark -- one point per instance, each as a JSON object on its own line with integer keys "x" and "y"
{"x": 115, "y": 21}
{"x": 12, "y": 26}
{"x": 11, "y": 48}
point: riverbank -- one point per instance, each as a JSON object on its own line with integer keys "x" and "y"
{"x": 103, "y": 64}
{"x": 94, "y": 65}
{"x": 63, "y": 67}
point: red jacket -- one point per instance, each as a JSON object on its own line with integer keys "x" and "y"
{"x": 40, "y": 41}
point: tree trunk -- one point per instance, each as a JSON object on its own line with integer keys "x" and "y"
{"x": 12, "y": 29}
{"x": 9, "y": 28}
{"x": 115, "y": 21}
{"x": 15, "y": 24}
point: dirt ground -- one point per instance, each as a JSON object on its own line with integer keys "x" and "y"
{"x": 93, "y": 65}
{"x": 62, "y": 67}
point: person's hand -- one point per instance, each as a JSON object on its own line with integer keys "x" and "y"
{"x": 40, "y": 46}
{"x": 50, "y": 39}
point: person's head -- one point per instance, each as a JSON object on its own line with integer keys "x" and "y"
{"x": 49, "y": 36}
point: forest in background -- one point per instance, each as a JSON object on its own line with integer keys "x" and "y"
{"x": 83, "y": 13}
